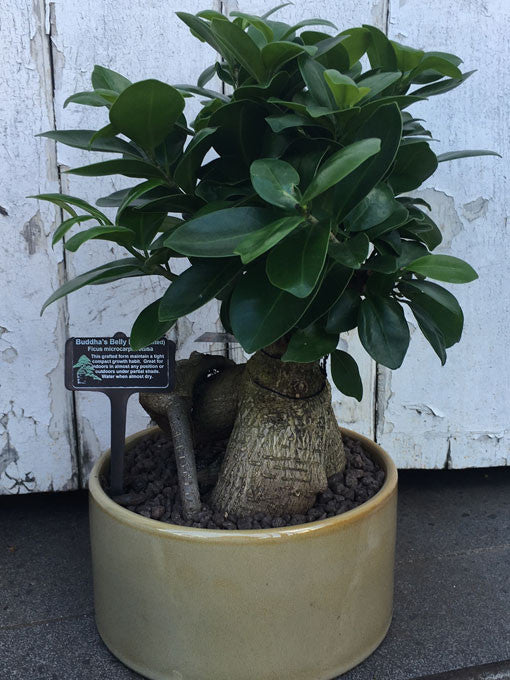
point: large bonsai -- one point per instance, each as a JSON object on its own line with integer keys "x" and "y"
{"x": 301, "y": 225}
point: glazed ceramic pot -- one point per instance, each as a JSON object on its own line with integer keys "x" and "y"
{"x": 306, "y": 602}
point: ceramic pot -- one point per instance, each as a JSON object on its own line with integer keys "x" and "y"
{"x": 306, "y": 602}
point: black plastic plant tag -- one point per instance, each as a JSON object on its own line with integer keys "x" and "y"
{"x": 109, "y": 365}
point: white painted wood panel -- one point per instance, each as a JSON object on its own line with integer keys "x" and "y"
{"x": 36, "y": 433}
{"x": 457, "y": 416}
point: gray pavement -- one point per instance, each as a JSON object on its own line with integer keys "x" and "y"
{"x": 452, "y": 590}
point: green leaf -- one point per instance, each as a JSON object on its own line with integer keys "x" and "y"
{"x": 147, "y": 327}
{"x": 296, "y": 263}
{"x": 310, "y": 344}
{"x": 206, "y": 75}
{"x": 313, "y": 74}
{"x": 345, "y": 91}
{"x": 352, "y": 252}
{"x": 241, "y": 46}
{"x": 439, "y": 304}
{"x": 383, "y": 330}
{"x": 201, "y": 30}
{"x": 345, "y": 374}
{"x": 287, "y": 120}
{"x": 442, "y": 86}
{"x": 260, "y": 241}
{"x": 203, "y": 92}
{"x": 330, "y": 290}
{"x": 413, "y": 165}
{"x": 397, "y": 218}
{"x": 219, "y": 233}
{"x": 407, "y": 57}
{"x": 136, "y": 192}
{"x": 64, "y": 201}
{"x": 106, "y": 79}
{"x": 100, "y": 232}
{"x": 356, "y": 42}
{"x": 422, "y": 228}
{"x": 196, "y": 286}
{"x": 431, "y": 331}
{"x": 275, "y": 9}
{"x": 376, "y": 207}
{"x": 257, "y": 23}
{"x": 63, "y": 228}
{"x": 261, "y": 313}
{"x": 385, "y": 123}
{"x": 443, "y": 268}
{"x": 146, "y": 112}
{"x": 121, "y": 166}
{"x": 380, "y": 50}
{"x": 307, "y": 22}
{"x": 453, "y": 155}
{"x": 437, "y": 64}
{"x": 173, "y": 203}
{"x": 341, "y": 164}
{"x": 95, "y": 98}
{"x": 343, "y": 315}
{"x": 275, "y": 181}
{"x": 83, "y": 139}
{"x": 105, "y": 273}
{"x": 276, "y": 54}
{"x": 145, "y": 225}
{"x": 185, "y": 173}
{"x": 378, "y": 83}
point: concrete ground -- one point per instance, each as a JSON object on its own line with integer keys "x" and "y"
{"x": 452, "y": 586}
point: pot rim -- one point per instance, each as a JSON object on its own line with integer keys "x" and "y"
{"x": 167, "y": 530}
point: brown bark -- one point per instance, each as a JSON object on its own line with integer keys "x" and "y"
{"x": 285, "y": 441}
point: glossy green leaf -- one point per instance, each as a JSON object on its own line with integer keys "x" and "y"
{"x": 196, "y": 286}
{"x": 147, "y": 327}
{"x": 260, "y": 313}
{"x": 310, "y": 344}
{"x": 121, "y": 166}
{"x": 287, "y": 120}
{"x": 145, "y": 225}
{"x": 241, "y": 46}
{"x": 413, "y": 165}
{"x": 443, "y": 268}
{"x": 206, "y": 75}
{"x": 219, "y": 233}
{"x": 203, "y": 92}
{"x": 275, "y": 181}
{"x": 276, "y": 54}
{"x": 385, "y": 123}
{"x": 331, "y": 288}
{"x": 180, "y": 203}
{"x": 442, "y": 86}
{"x": 341, "y": 164}
{"x": 65, "y": 201}
{"x": 345, "y": 91}
{"x": 308, "y": 22}
{"x": 439, "y": 304}
{"x": 262, "y": 240}
{"x": 467, "y": 153}
{"x": 107, "y": 233}
{"x": 201, "y": 30}
{"x": 397, "y": 218}
{"x": 343, "y": 315}
{"x": 275, "y": 9}
{"x": 313, "y": 74}
{"x": 378, "y": 83}
{"x": 185, "y": 173}
{"x": 380, "y": 50}
{"x": 64, "y": 227}
{"x": 296, "y": 263}
{"x": 133, "y": 194}
{"x": 146, "y": 112}
{"x": 95, "y": 98}
{"x": 430, "y": 330}
{"x": 438, "y": 64}
{"x": 345, "y": 374}
{"x": 407, "y": 57}
{"x": 356, "y": 42}
{"x": 376, "y": 207}
{"x": 352, "y": 252}
{"x": 383, "y": 330}
{"x": 84, "y": 139}
{"x": 105, "y": 273}
{"x": 256, "y": 22}
{"x": 106, "y": 79}
{"x": 422, "y": 228}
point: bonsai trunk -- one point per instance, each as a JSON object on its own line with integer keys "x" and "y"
{"x": 285, "y": 441}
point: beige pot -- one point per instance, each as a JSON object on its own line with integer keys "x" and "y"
{"x": 306, "y": 602}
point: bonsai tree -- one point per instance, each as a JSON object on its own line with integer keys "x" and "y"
{"x": 302, "y": 225}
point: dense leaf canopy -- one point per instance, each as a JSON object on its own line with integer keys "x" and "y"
{"x": 298, "y": 224}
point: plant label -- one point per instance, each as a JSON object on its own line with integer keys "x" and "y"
{"x": 109, "y": 365}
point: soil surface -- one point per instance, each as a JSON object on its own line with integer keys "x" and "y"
{"x": 151, "y": 487}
